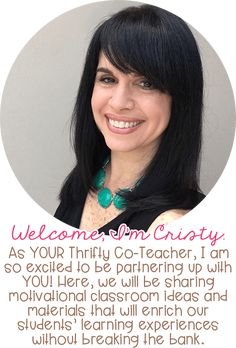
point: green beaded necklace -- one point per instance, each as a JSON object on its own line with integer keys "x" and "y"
{"x": 104, "y": 195}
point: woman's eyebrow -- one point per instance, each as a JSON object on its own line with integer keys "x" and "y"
{"x": 104, "y": 70}
{"x": 108, "y": 71}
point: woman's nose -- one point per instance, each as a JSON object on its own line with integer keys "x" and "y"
{"x": 121, "y": 98}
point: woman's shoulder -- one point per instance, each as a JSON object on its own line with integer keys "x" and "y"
{"x": 167, "y": 217}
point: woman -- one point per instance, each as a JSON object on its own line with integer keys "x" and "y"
{"x": 137, "y": 124}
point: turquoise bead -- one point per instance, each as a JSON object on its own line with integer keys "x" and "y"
{"x": 119, "y": 202}
{"x": 99, "y": 179}
{"x": 104, "y": 197}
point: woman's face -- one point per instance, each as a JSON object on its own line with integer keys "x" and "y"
{"x": 128, "y": 111}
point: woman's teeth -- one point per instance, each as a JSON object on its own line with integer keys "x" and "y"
{"x": 122, "y": 124}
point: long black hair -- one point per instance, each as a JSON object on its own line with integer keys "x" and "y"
{"x": 160, "y": 46}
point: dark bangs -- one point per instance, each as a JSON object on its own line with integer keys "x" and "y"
{"x": 126, "y": 40}
{"x": 152, "y": 43}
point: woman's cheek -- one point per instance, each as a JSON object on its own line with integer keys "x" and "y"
{"x": 98, "y": 100}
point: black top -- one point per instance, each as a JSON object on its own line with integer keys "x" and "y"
{"x": 140, "y": 220}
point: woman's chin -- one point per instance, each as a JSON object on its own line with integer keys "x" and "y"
{"x": 120, "y": 146}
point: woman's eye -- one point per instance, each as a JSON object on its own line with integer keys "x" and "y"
{"x": 106, "y": 79}
{"x": 146, "y": 84}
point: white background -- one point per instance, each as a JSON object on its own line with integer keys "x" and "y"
{"x": 19, "y": 21}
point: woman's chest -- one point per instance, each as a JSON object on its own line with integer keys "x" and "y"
{"x": 94, "y": 216}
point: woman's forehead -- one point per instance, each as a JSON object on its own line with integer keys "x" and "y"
{"x": 102, "y": 59}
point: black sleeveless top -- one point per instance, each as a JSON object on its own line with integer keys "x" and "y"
{"x": 140, "y": 220}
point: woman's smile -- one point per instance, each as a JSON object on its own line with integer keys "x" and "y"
{"x": 122, "y": 125}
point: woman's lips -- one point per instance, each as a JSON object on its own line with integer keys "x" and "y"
{"x": 122, "y": 125}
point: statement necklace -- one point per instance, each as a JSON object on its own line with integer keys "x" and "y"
{"x": 104, "y": 195}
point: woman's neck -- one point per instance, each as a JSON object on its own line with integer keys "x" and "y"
{"x": 125, "y": 169}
